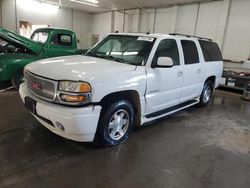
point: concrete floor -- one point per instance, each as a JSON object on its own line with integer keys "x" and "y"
{"x": 195, "y": 148}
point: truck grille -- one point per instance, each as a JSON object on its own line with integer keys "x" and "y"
{"x": 41, "y": 87}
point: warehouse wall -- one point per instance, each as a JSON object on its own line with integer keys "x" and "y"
{"x": 102, "y": 24}
{"x": 78, "y": 21}
{"x": 237, "y": 34}
{"x": 225, "y": 21}
{"x": 0, "y": 13}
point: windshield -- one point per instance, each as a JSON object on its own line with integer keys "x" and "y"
{"x": 132, "y": 50}
{"x": 40, "y": 37}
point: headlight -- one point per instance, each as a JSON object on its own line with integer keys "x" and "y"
{"x": 74, "y": 92}
{"x": 74, "y": 87}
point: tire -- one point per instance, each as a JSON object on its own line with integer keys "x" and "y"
{"x": 17, "y": 79}
{"x": 115, "y": 124}
{"x": 206, "y": 94}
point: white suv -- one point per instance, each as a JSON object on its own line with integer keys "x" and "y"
{"x": 124, "y": 81}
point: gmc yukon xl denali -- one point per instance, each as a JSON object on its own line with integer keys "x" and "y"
{"x": 125, "y": 80}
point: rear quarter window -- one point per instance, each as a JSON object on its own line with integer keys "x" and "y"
{"x": 211, "y": 51}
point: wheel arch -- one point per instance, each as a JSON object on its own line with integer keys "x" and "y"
{"x": 211, "y": 78}
{"x": 130, "y": 95}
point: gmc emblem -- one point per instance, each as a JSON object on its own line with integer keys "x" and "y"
{"x": 36, "y": 85}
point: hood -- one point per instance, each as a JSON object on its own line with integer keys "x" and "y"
{"x": 14, "y": 38}
{"x": 77, "y": 68}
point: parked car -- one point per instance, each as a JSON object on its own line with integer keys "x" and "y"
{"x": 17, "y": 51}
{"x": 125, "y": 80}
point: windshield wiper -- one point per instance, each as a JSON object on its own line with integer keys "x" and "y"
{"x": 114, "y": 58}
{"x": 92, "y": 54}
{"x": 117, "y": 59}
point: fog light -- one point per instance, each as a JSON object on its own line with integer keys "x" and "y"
{"x": 60, "y": 126}
{"x": 73, "y": 98}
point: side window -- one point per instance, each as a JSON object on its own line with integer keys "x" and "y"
{"x": 62, "y": 40}
{"x": 211, "y": 51}
{"x": 168, "y": 48}
{"x": 190, "y": 52}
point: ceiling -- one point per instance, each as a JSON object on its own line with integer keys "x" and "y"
{"x": 106, "y": 5}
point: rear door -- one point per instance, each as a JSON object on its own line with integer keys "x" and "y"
{"x": 192, "y": 71}
{"x": 164, "y": 84}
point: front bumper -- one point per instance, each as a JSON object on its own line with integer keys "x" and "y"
{"x": 79, "y": 124}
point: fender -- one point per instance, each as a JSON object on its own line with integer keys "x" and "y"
{"x": 11, "y": 63}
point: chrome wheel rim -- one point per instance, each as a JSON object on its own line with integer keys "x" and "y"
{"x": 118, "y": 124}
{"x": 207, "y": 94}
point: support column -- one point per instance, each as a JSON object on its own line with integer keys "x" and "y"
{"x": 173, "y": 22}
{"x": 1, "y": 21}
{"x": 220, "y": 34}
{"x": 112, "y": 22}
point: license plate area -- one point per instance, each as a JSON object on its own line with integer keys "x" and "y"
{"x": 30, "y": 104}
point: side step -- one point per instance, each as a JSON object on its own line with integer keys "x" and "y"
{"x": 172, "y": 109}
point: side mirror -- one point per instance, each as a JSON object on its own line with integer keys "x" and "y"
{"x": 165, "y": 62}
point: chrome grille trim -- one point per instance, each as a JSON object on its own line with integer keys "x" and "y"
{"x": 49, "y": 87}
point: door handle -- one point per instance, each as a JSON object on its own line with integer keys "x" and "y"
{"x": 199, "y": 71}
{"x": 180, "y": 73}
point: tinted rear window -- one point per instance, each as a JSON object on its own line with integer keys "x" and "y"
{"x": 211, "y": 51}
{"x": 190, "y": 52}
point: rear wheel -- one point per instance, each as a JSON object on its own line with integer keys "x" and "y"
{"x": 17, "y": 79}
{"x": 206, "y": 94}
{"x": 115, "y": 124}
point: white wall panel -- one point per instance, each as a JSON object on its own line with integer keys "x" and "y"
{"x": 102, "y": 24}
{"x": 118, "y": 21}
{"x": 186, "y": 19}
{"x": 63, "y": 18}
{"x": 164, "y": 19}
{"x": 133, "y": 20}
{"x": 147, "y": 20}
{"x": 82, "y": 27}
{"x": 9, "y": 16}
{"x": 237, "y": 36}
{"x": 0, "y": 13}
{"x": 208, "y": 19}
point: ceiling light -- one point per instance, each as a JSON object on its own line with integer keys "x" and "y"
{"x": 92, "y": 1}
{"x": 87, "y": 2}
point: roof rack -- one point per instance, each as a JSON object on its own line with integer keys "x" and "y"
{"x": 190, "y": 36}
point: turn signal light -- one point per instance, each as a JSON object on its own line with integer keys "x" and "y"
{"x": 84, "y": 88}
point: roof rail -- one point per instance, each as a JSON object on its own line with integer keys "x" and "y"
{"x": 190, "y": 36}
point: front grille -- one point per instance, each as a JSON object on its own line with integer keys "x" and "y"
{"x": 41, "y": 87}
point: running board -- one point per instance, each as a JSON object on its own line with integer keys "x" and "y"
{"x": 172, "y": 109}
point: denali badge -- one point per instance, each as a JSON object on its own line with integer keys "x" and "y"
{"x": 36, "y": 85}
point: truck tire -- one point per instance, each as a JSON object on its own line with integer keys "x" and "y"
{"x": 206, "y": 94}
{"x": 115, "y": 124}
{"x": 17, "y": 79}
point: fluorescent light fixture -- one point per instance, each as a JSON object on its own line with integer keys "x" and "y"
{"x": 92, "y": 1}
{"x": 35, "y": 6}
{"x": 87, "y": 2}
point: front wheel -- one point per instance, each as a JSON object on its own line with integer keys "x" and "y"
{"x": 206, "y": 94}
{"x": 116, "y": 121}
{"x": 17, "y": 79}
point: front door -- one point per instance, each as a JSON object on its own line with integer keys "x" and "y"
{"x": 60, "y": 45}
{"x": 164, "y": 84}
